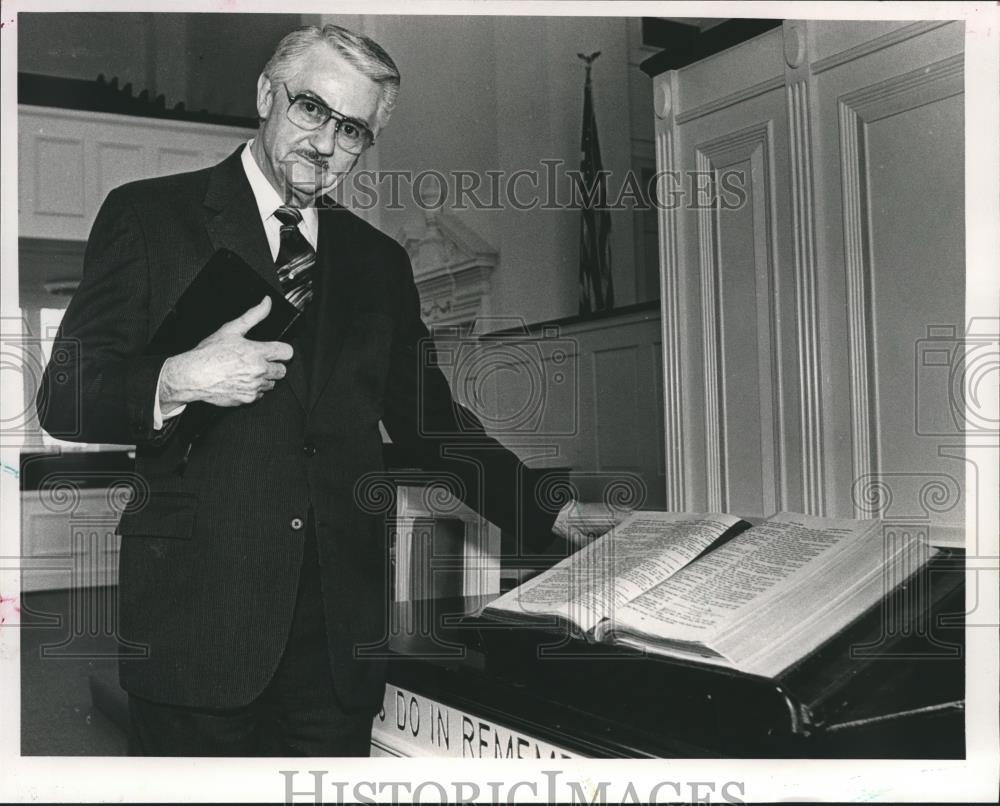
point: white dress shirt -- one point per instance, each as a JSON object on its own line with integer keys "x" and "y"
{"x": 268, "y": 201}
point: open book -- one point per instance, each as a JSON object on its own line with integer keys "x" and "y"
{"x": 711, "y": 588}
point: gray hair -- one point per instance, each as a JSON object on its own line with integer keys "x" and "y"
{"x": 362, "y": 53}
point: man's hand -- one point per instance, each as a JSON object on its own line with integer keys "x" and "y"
{"x": 226, "y": 369}
{"x": 581, "y": 523}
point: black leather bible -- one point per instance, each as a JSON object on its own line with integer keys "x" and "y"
{"x": 225, "y": 288}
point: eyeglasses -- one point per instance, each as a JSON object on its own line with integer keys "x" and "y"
{"x": 310, "y": 113}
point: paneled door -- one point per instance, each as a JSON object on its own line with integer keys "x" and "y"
{"x": 811, "y": 251}
{"x": 728, "y": 290}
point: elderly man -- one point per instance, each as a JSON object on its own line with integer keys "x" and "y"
{"x": 252, "y": 577}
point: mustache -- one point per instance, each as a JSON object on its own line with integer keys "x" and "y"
{"x": 314, "y": 157}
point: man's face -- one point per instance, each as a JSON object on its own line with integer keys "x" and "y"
{"x": 303, "y": 165}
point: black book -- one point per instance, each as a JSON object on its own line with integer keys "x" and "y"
{"x": 225, "y": 288}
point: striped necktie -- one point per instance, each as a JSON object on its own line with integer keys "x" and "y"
{"x": 295, "y": 260}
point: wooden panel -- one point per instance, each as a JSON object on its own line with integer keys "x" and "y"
{"x": 621, "y": 412}
{"x": 587, "y": 396}
{"x": 806, "y": 424}
{"x": 176, "y": 160}
{"x": 522, "y": 387}
{"x": 864, "y": 268}
{"x": 738, "y": 254}
{"x": 69, "y": 160}
{"x": 903, "y": 236}
{"x": 68, "y": 539}
{"x": 46, "y": 534}
{"x": 840, "y": 42}
{"x": 743, "y": 248}
{"x": 735, "y": 346}
{"x": 908, "y": 259}
{"x": 677, "y": 428}
{"x": 441, "y": 547}
{"x": 889, "y": 136}
{"x": 117, "y": 163}
{"x": 620, "y": 428}
{"x": 655, "y": 448}
{"x": 59, "y": 177}
{"x": 730, "y": 77}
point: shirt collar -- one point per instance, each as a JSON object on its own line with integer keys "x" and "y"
{"x": 267, "y": 197}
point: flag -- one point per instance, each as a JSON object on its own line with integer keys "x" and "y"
{"x": 596, "y": 288}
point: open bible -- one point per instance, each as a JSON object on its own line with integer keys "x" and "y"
{"x": 713, "y": 589}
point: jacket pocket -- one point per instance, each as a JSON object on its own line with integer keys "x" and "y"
{"x": 162, "y": 514}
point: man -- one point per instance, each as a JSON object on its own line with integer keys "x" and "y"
{"x": 254, "y": 575}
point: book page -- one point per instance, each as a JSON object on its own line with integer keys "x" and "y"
{"x": 639, "y": 553}
{"x": 745, "y": 573}
{"x": 771, "y": 637}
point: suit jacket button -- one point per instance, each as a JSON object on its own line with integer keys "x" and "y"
{"x": 309, "y": 449}
{"x": 296, "y": 524}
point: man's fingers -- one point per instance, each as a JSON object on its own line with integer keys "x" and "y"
{"x": 276, "y": 350}
{"x": 242, "y": 323}
{"x": 595, "y": 513}
{"x": 591, "y": 520}
{"x": 275, "y": 371}
{"x": 589, "y": 514}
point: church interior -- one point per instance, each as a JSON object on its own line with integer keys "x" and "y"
{"x": 787, "y": 258}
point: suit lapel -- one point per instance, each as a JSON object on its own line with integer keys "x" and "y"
{"x": 235, "y": 224}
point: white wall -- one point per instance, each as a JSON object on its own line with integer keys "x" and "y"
{"x": 502, "y": 94}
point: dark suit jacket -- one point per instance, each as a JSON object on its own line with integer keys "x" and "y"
{"x": 210, "y": 559}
